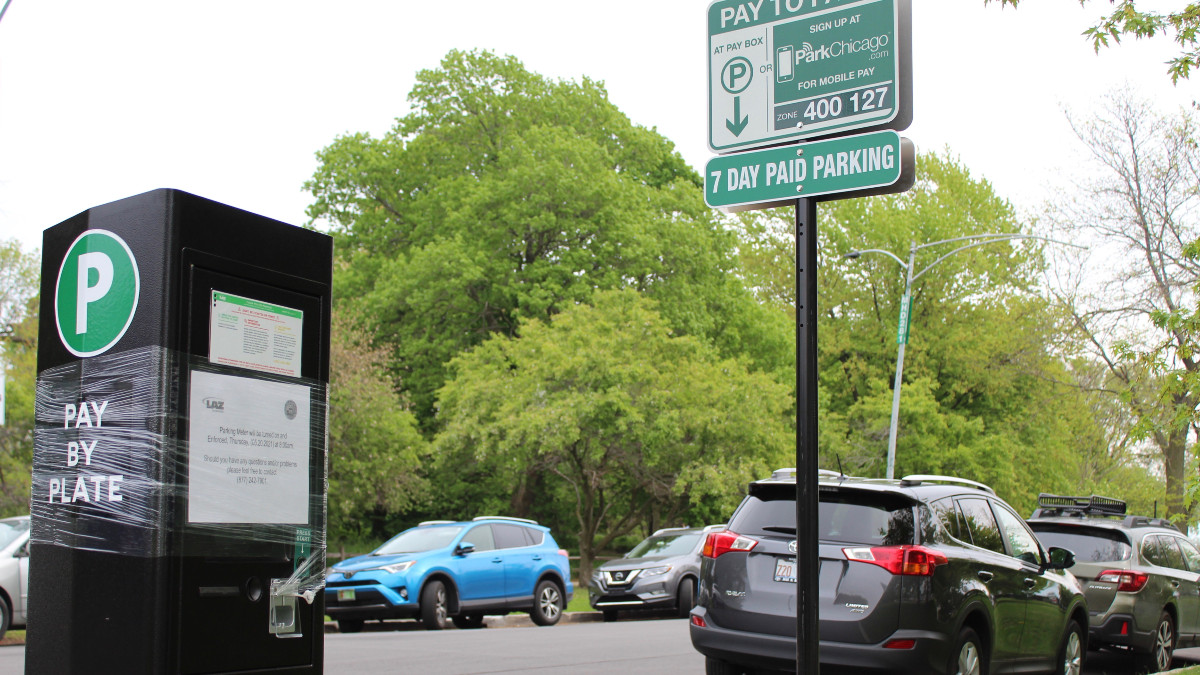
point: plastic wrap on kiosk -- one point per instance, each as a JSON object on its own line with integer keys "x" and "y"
{"x": 130, "y": 447}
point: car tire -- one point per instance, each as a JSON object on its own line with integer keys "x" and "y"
{"x": 1162, "y": 650}
{"x": 5, "y": 617}
{"x": 547, "y": 604}
{"x": 686, "y": 596}
{"x": 1072, "y": 652}
{"x": 610, "y": 614}
{"x": 350, "y": 625}
{"x": 968, "y": 657}
{"x": 434, "y": 604}
{"x": 466, "y": 621}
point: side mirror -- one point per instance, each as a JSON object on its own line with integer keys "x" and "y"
{"x": 1060, "y": 558}
{"x": 465, "y": 548}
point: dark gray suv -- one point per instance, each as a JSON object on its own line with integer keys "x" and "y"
{"x": 1141, "y": 576}
{"x": 927, "y": 574}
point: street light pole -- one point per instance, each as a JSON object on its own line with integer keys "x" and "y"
{"x": 906, "y": 310}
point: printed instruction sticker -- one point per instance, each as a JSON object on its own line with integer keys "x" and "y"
{"x": 253, "y": 334}
{"x": 248, "y": 450}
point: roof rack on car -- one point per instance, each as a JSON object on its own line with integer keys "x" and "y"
{"x": 1061, "y": 505}
{"x": 519, "y": 520}
{"x": 434, "y": 522}
{"x": 1143, "y": 521}
{"x": 790, "y": 472}
{"x": 917, "y": 479}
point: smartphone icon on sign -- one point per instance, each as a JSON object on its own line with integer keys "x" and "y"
{"x": 784, "y": 66}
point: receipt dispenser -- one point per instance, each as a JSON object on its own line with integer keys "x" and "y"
{"x": 179, "y": 475}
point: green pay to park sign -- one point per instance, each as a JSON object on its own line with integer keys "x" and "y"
{"x": 851, "y": 166}
{"x": 793, "y": 69}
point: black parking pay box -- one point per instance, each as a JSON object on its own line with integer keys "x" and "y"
{"x": 179, "y": 459}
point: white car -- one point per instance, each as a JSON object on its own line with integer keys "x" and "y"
{"x": 14, "y": 572}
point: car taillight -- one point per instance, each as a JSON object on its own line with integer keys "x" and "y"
{"x": 900, "y": 560}
{"x": 720, "y": 543}
{"x": 900, "y": 643}
{"x": 1130, "y": 582}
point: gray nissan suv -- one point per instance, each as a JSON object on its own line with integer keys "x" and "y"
{"x": 658, "y": 573}
{"x": 927, "y": 574}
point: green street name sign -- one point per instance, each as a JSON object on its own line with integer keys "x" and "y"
{"x": 792, "y": 69}
{"x": 905, "y": 319}
{"x": 850, "y": 164}
{"x": 96, "y": 294}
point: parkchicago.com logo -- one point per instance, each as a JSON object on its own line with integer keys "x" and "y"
{"x": 808, "y": 53}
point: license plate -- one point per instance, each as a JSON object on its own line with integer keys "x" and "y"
{"x": 785, "y": 570}
{"x": 347, "y": 594}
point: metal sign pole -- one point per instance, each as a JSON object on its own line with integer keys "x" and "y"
{"x": 807, "y": 553}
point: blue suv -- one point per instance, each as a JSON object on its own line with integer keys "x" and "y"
{"x": 458, "y": 570}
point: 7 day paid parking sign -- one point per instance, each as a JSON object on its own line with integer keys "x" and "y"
{"x": 96, "y": 294}
{"x": 880, "y": 161}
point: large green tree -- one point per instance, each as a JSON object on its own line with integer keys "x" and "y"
{"x": 18, "y": 358}
{"x": 506, "y": 196}
{"x": 1137, "y": 208}
{"x": 981, "y": 397}
{"x": 618, "y": 409}
{"x": 375, "y": 449}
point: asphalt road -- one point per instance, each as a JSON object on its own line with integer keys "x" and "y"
{"x": 639, "y": 647}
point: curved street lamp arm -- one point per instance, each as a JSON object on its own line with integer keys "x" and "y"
{"x": 991, "y": 238}
{"x": 855, "y": 254}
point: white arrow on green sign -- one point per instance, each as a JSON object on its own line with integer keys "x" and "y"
{"x": 850, "y": 164}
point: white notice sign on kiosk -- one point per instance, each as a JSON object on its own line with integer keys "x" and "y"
{"x": 253, "y": 334}
{"x": 247, "y": 450}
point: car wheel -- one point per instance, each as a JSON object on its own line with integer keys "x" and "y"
{"x": 547, "y": 604}
{"x": 1163, "y": 649}
{"x": 433, "y": 605}
{"x": 1070, "y": 656}
{"x": 686, "y": 596}
{"x": 468, "y": 621}
{"x": 610, "y": 614}
{"x": 350, "y": 625}
{"x": 967, "y": 657}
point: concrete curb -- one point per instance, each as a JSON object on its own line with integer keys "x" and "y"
{"x": 516, "y": 620}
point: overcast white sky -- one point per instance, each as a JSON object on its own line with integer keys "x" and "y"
{"x": 103, "y": 99}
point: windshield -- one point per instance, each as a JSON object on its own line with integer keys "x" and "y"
{"x": 1088, "y": 545}
{"x": 665, "y": 546}
{"x": 419, "y": 539}
{"x": 11, "y": 529}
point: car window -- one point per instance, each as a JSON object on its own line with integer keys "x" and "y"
{"x": 665, "y": 545}
{"x": 877, "y": 519}
{"x": 533, "y": 537}
{"x": 1152, "y": 552}
{"x": 509, "y": 536}
{"x": 481, "y": 537}
{"x": 883, "y": 518}
{"x": 419, "y": 539}
{"x": 1088, "y": 544}
{"x": 981, "y": 524}
{"x": 12, "y": 528}
{"x": 1170, "y": 553}
{"x": 1022, "y": 545}
{"x": 1191, "y": 555}
{"x": 948, "y": 515}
